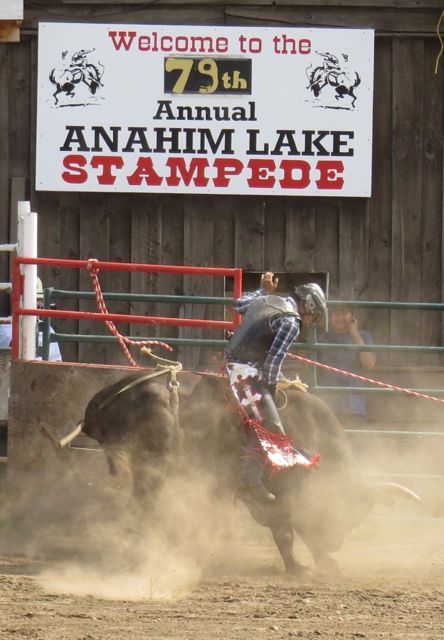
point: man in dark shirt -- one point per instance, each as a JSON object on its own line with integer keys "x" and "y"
{"x": 350, "y": 408}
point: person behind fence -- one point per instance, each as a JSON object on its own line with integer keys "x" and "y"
{"x": 350, "y": 408}
{"x": 254, "y": 354}
{"x": 6, "y": 331}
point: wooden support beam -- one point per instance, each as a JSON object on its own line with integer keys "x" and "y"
{"x": 10, "y": 30}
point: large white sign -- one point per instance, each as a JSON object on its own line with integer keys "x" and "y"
{"x": 184, "y": 109}
{"x": 11, "y": 9}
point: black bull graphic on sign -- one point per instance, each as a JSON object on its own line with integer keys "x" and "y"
{"x": 66, "y": 79}
{"x": 343, "y": 83}
{"x": 137, "y": 429}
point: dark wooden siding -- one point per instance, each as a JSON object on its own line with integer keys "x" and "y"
{"x": 388, "y": 247}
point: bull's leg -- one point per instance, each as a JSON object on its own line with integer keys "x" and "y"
{"x": 68, "y": 88}
{"x": 284, "y": 537}
{"x": 324, "y": 562}
{"x": 148, "y": 480}
{"x": 281, "y": 525}
{"x": 277, "y": 516}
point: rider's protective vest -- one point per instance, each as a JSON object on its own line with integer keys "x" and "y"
{"x": 253, "y": 338}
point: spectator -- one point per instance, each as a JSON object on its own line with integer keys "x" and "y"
{"x": 6, "y": 331}
{"x": 350, "y": 408}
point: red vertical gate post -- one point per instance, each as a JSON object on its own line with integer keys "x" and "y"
{"x": 237, "y": 292}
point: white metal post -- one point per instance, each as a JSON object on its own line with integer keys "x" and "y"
{"x": 27, "y": 247}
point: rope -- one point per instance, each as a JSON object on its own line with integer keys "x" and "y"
{"x": 172, "y": 367}
{"x": 162, "y": 362}
{"x": 358, "y": 377}
{"x": 438, "y": 33}
{"x": 282, "y": 406}
{"x": 169, "y": 365}
{"x": 284, "y": 384}
{"x": 130, "y": 385}
{"x": 93, "y": 270}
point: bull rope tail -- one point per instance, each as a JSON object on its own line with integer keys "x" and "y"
{"x": 438, "y": 33}
{"x": 284, "y": 384}
{"x": 172, "y": 367}
{"x": 93, "y": 270}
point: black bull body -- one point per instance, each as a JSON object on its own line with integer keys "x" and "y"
{"x": 322, "y": 505}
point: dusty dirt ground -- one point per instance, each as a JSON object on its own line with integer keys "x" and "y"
{"x": 388, "y": 589}
{"x": 99, "y": 586}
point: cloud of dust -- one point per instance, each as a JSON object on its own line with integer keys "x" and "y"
{"x": 160, "y": 574}
{"x": 159, "y": 556}
{"x": 411, "y": 533}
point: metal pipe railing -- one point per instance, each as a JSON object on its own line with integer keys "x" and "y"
{"x": 297, "y": 346}
{"x": 354, "y": 390}
{"x": 174, "y": 342}
{"x": 375, "y": 304}
{"x": 55, "y": 294}
{"x": 152, "y": 297}
{"x": 312, "y": 346}
{"x": 47, "y": 313}
{"x": 123, "y": 317}
{"x": 134, "y": 266}
{"x": 325, "y": 346}
{"x": 51, "y": 294}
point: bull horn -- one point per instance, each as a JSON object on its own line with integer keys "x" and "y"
{"x": 386, "y": 491}
{"x": 64, "y": 442}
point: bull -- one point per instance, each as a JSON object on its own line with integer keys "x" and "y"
{"x": 137, "y": 427}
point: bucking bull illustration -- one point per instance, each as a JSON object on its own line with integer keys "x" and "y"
{"x": 332, "y": 74}
{"x": 78, "y": 70}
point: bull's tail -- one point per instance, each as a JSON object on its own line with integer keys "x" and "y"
{"x": 64, "y": 442}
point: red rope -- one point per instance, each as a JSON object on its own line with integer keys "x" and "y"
{"x": 358, "y": 377}
{"x": 93, "y": 270}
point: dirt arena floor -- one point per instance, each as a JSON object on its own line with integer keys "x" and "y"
{"x": 392, "y": 586}
{"x": 197, "y": 570}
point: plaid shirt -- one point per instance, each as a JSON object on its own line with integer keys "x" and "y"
{"x": 285, "y": 329}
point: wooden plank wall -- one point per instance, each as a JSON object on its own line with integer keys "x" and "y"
{"x": 388, "y": 247}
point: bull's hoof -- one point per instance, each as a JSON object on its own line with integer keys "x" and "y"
{"x": 328, "y": 566}
{"x": 298, "y": 570}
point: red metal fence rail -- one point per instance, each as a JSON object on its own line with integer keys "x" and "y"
{"x": 17, "y": 291}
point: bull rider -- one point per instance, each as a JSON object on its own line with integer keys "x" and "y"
{"x": 254, "y": 355}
